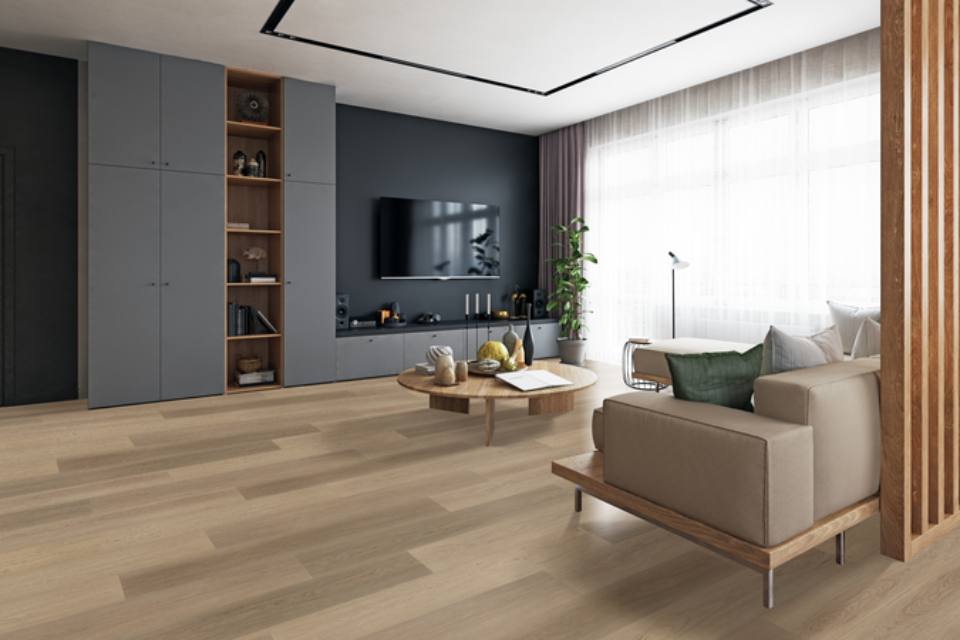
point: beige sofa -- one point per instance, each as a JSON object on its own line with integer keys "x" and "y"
{"x": 809, "y": 452}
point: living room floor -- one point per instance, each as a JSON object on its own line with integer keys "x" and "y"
{"x": 352, "y": 511}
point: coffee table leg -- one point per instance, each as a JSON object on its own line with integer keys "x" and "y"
{"x": 489, "y": 419}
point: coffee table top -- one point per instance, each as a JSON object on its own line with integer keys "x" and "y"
{"x": 478, "y": 386}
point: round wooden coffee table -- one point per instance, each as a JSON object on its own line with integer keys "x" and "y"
{"x": 488, "y": 388}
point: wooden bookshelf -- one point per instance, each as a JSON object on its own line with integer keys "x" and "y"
{"x": 257, "y": 201}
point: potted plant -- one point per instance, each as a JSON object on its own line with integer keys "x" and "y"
{"x": 568, "y": 288}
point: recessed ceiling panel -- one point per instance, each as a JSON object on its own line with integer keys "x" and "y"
{"x": 536, "y": 44}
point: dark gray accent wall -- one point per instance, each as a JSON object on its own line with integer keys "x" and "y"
{"x": 388, "y": 154}
{"x": 38, "y": 123}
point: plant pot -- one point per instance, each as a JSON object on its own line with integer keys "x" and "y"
{"x": 572, "y": 351}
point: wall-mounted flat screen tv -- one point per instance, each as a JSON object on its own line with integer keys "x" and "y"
{"x": 436, "y": 240}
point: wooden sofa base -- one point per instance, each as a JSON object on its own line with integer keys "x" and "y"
{"x": 586, "y": 472}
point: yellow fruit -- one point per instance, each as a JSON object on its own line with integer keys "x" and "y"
{"x": 493, "y": 350}
{"x": 509, "y": 365}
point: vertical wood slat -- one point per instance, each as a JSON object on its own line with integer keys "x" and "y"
{"x": 919, "y": 427}
{"x": 920, "y": 168}
{"x": 895, "y": 176}
{"x": 933, "y": 351}
{"x": 949, "y": 298}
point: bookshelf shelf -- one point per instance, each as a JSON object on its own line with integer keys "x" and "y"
{"x": 258, "y": 232}
{"x": 235, "y": 388}
{"x": 251, "y": 181}
{"x": 256, "y": 336}
{"x": 257, "y": 202}
{"x": 251, "y": 129}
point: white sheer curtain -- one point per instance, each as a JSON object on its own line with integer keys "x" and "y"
{"x": 766, "y": 181}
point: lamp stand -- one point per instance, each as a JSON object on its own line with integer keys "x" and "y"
{"x": 673, "y": 303}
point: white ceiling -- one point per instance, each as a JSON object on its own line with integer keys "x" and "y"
{"x": 536, "y": 43}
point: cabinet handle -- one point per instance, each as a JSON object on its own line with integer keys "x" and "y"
{"x": 166, "y": 164}
{"x": 289, "y": 175}
{"x": 287, "y": 282}
{"x": 151, "y": 284}
{"x": 434, "y": 336}
{"x": 153, "y": 162}
{"x": 165, "y": 284}
{"x": 369, "y": 339}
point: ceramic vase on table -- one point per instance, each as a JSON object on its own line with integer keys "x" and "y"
{"x": 528, "y": 340}
{"x": 510, "y": 339}
{"x": 445, "y": 374}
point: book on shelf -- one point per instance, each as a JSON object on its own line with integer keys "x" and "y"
{"x": 238, "y": 225}
{"x": 231, "y": 319}
{"x": 261, "y": 277}
{"x": 265, "y": 322}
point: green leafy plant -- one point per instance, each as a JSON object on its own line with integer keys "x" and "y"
{"x": 568, "y": 281}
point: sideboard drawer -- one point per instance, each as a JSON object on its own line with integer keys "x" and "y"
{"x": 369, "y": 356}
{"x": 416, "y": 343}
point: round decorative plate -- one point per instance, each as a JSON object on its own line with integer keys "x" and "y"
{"x": 253, "y": 106}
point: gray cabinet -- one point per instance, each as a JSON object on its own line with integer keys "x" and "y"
{"x": 124, "y": 292}
{"x": 545, "y": 339}
{"x": 191, "y": 116}
{"x": 309, "y": 267}
{"x": 416, "y": 343}
{"x": 309, "y": 132}
{"x": 191, "y": 285}
{"x": 124, "y": 112}
{"x": 369, "y": 356}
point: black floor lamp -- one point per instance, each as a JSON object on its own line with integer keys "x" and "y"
{"x": 675, "y": 264}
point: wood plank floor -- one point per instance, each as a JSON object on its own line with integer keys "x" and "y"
{"x": 353, "y": 511}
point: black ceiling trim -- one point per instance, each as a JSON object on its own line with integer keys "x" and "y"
{"x": 270, "y": 28}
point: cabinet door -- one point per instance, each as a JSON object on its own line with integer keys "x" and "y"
{"x": 545, "y": 340}
{"x": 191, "y": 279}
{"x": 191, "y": 116}
{"x": 309, "y": 258}
{"x": 416, "y": 343}
{"x": 369, "y": 356}
{"x": 124, "y": 106}
{"x": 309, "y": 132}
{"x": 124, "y": 298}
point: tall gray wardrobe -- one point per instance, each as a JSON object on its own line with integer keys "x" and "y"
{"x": 156, "y": 297}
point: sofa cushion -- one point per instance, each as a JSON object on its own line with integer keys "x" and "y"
{"x": 748, "y": 475}
{"x": 842, "y": 403}
{"x": 651, "y": 361}
{"x": 724, "y": 378}
{"x": 597, "y": 426}
{"x": 867, "y": 342}
{"x": 783, "y": 352}
{"x": 848, "y": 319}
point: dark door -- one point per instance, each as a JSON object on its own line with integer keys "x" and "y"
{"x": 7, "y": 386}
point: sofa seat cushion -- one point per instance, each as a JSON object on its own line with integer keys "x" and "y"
{"x": 748, "y": 475}
{"x": 597, "y": 426}
{"x": 651, "y": 360}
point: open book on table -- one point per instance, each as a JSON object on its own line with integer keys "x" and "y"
{"x": 533, "y": 379}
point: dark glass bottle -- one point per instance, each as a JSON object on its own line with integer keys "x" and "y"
{"x": 528, "y": 340}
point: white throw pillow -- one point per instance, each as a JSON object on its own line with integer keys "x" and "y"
{"x": 848, "y": 319}
{"x": 783, "y": 352}
{"x": 867, "y": 342}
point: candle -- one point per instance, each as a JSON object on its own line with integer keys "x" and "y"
{"x": 488, "y": 304}
{"x": 466, "y": 310}
{"x": 476, "y": 303}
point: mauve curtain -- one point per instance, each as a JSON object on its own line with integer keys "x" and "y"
{"x": 561, "y": 190}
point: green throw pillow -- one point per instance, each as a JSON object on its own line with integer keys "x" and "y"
{"x": 724, "y": 378}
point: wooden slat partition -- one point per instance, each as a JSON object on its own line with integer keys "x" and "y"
{"x": 920, "y": 468}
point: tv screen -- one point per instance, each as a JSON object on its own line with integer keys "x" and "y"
{"x": 431, "y": 239}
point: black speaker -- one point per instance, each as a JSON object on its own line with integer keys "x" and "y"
{"x": 539, "y": 302}
{"x": 343, "y": 310}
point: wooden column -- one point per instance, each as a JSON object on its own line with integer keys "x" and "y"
{"x": 920, "y": 466}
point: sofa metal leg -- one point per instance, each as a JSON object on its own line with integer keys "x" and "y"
{"x": 768, "y": 589}
{"x": 577, "y": 499}
{"x": 841, "y": 545}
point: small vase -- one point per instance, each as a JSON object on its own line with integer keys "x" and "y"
{"x": 510, "y": 339}
{"x": 528, "y": 340}
{"x": 462, "y": 371}
{"x": 445, "y": 375}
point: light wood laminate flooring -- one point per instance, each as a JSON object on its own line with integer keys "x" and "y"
{"x": 352, "y": 511}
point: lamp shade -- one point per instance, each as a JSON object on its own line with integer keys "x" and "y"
{"x": 677, "y": 263}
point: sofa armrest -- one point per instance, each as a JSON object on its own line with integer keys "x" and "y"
{"x": 841, "y": 401}
{"x": 744, "y": 474}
